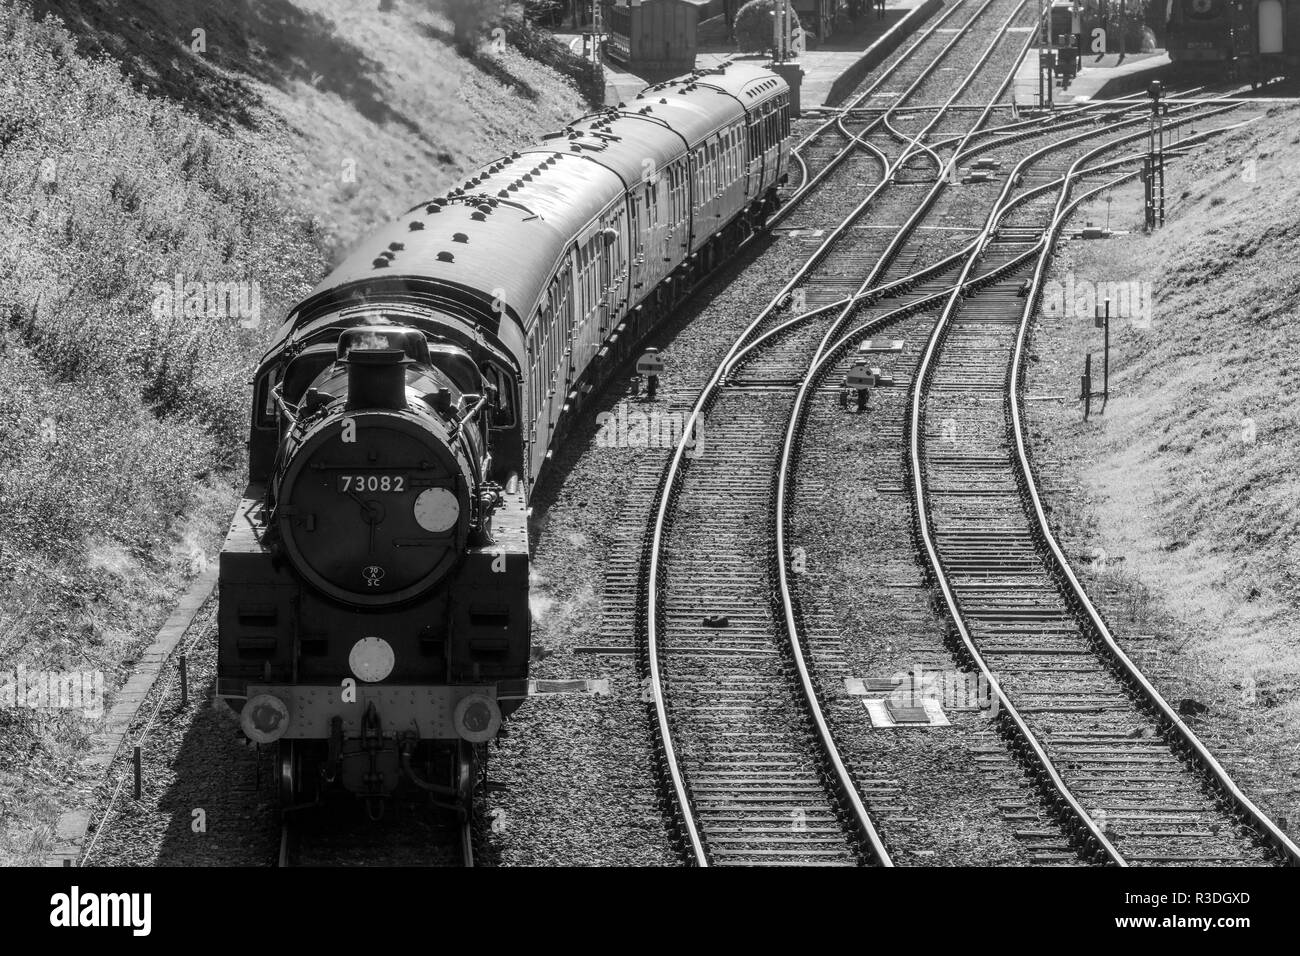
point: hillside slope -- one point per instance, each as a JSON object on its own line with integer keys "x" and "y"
{"x": 370, "y": 110}
{"x": 123, "y": 405}
{"x": 1182, "y": 501}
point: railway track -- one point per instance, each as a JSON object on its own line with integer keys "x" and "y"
{"x": 753, "y": 795}
{"x": 1142, "y": 787}
{"x": 888, "y": 127}
{"x": 993, "y": 562}
{"x": 747, "y": 755}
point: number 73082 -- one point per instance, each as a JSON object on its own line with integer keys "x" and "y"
{"x": 356, "y": 483}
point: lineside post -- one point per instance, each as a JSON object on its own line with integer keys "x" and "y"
{"x": 1085, "y": 386}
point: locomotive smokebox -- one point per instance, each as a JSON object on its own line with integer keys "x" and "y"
{"x": 376, "y": 378}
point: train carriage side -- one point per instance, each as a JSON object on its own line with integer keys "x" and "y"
{"x": 766, "y": 100}
{"x": 680, "y": 149}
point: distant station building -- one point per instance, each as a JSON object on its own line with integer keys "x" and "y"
{"x": 655, "y": 38}
{"x": 659, "y": 38}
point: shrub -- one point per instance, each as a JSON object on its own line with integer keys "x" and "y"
{"x": 545, "y": 49}
{"x": 754, "y": 25}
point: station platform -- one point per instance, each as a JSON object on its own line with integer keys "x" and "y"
{"x": 832, "y": 60}
{"x": 827, "y": 69}
{"x": 1100, "y": 77}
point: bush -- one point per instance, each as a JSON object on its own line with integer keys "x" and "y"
{"x": 544, "y": 13}
{"x": 545, "y": 49}
{"x": 754, "y": 25}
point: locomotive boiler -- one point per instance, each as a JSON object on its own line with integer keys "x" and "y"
{"x": 373, "y": 607}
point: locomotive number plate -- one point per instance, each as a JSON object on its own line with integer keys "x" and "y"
{"x": 395, "y": 484}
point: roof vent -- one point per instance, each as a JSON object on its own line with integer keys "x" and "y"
{"x": 446, "y": 257}
{"x": 460, "y": 237}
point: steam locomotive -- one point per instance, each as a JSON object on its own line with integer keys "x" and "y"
{"x": 1234, "y": 39}
{"x": 373, "y": 594}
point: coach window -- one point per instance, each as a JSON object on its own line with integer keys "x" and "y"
{"x": 504, "y": 396}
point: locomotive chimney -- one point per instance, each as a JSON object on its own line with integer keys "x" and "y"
{"x": 376, "y": 378}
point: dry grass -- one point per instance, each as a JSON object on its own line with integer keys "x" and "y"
{"x": 1189, "y": 479}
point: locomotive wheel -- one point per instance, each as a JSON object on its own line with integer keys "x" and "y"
{"x": 296, "y": 772}
{"x": 290, "y": 772}
{"x": 466, "y": 776}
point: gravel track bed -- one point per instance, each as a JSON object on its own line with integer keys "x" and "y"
{"x": 867, "y": 614}
{"x": 1104, "y": 745}
{"x": 938, "y": 86}
{"x": 964, "y": 817}
{"x": 929, "y": 48}
{"x": 192, "y": 760}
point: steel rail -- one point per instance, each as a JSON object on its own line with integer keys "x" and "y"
{"x": 695, "y": 844}
{"x": 1084, "y": 823}
{"x": 1197, "y": 752}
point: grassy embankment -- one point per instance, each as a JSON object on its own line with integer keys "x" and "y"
{"x": 129, "y": 157}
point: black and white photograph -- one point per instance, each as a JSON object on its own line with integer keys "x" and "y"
{"x": 599, "y": 436}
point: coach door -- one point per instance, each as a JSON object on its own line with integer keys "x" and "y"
{"x": 1271, "y": 26}
{"x": 637, "y": 237}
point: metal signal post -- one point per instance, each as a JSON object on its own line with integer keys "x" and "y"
{"x": 1102, "y": 321}
{"x": 1153, "y": 172}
